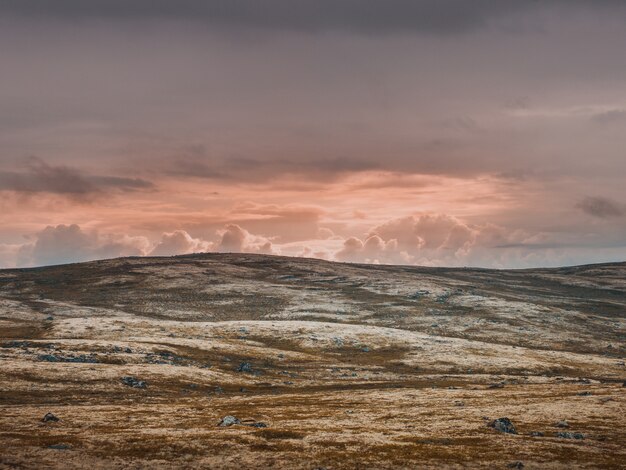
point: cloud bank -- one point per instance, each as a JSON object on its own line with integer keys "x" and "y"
{"x": 64, "y": 244}
{"x": 482, "y": 132}
{"x": 37, "y": 176}
{"x": 362, "y": 16}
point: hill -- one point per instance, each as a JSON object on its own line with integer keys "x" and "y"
{"x": 325, "y": 365}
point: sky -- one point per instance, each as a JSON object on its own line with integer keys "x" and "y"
{"x": 429, "y": 132}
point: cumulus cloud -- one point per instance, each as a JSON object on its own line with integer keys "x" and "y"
{"x": 179, "y": 242}
{"x": 601, "y": 207}
{"x": 425, "y": 239}
{"x": 373, "y": 250}
{"x": 69, "y": 243}
{"x": 235, "y": 239}
{"x": 37, "y": 176}
{"x": 63, "y": 244}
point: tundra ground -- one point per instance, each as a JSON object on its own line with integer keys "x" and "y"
{"x": 347, "y": 366}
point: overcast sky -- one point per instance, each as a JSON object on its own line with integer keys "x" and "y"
{"x": 438, "y": 132}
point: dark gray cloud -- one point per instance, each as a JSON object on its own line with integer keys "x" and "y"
{"x": 37, "y": 176}
{"x": 601, "y": 207}
{"x": 610, "y": 117}
{"x": 369, "y": 16}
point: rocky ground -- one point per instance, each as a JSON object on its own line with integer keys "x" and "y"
{"x": 248, "y": 361}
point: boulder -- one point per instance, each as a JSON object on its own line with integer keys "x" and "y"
{"x": 245, "y": 367}
{"x": 49, "y": 417}
{"x": 229, "y": 421}
{"x": 133, "y": 382}
{"x": 503, "y": 425}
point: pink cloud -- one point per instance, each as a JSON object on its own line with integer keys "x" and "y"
{"x": 235, "y": 239}
{"x": 426, "y": 239}
{"x": 179, "y": 242}
{"x": 69, "y": 243}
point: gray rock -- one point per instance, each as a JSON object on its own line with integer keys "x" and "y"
{"x": 258, "y": 425}
{"x": 245, "y": 367}
{"x": 59, "y": 447}
{"x": 229, "y": 421}
{"x": 48, "y": 358}
{"x": 561, "y": 424}
{"x": 517, "y": 464}
{"x": 503, "y": 425}
{"x": 570, "y": 435}
{"x": 16, "y": 344}
{"x": 537, "y": 434}
{"x": 49, "y": 417}
{"x": 133, "y": 382}
{"x": 81, "y": 358}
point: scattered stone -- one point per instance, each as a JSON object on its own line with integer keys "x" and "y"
{"x": 50, "y": 318}
{"x": 561, "y": 424}
{"x": 16, "y": 344}
{"x": 245, "y": 367}
{"x": 257, "y": 425}
{"x": 459, "y": 403}
{"x": 133, "y": 382}
{"x": 81, "y": 358}
{"x": 49, "y": 417}
{"x": 48, "y": 358}
{"x": 517, "y": 464}
{"x": 59, "y": 447}
{"x": 229, "y": 421}
{"x": 503, "y": 425}
{"x": 606, "y": 399}
{"x": 496, "y": 385}
{"x": 167, "y": 357}
{"x": 365, "y": 349}
{"x": 570, "y": 435}
{"x": 584, "y": 394}
{"x": 419, "y": 294}
{"x": 537, "y": 434}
